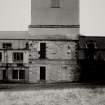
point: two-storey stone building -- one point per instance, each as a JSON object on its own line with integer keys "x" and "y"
{"x": 14, "y": 53}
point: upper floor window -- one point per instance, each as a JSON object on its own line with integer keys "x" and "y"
{"x": 7, "y": 45}
{"x": 27, "y": 45}
{"x": 55, "y": 4}
{"x": 42, "y": 50}
{"x": 18, "y": 56}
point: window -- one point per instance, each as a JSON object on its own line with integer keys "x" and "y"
{"x": 18, "y": 74}
{"x": 18, "y": 56}
{"x": 42, "y": 50}
{"x": 55, "y": 4}
{"x": 0, "y": 56}
{"x": 7, "y": 45}
{"x": 27, "y": 45}
{"x": 21, "y": 74}
{"x": 15, "y": 74}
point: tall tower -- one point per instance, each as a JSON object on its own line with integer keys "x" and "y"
{"x": 54, "y": 33}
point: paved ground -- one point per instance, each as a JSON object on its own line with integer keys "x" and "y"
{"x": 52, "y": 94}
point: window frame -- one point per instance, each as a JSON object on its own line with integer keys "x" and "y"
{"x": 5, "y": 45}
{"x": 42, "y": 50}
{"x": 17, "y": 57}
{"x": 18, "y": 75}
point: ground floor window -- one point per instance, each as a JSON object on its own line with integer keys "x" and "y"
{"x": 0, "y": 56}
{"x": 18, "y": 74}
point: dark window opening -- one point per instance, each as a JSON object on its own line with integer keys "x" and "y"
{"x": 22, "y": 74}
{"x": 42, "y": 73}
{"x": 55, "y": 4}
{"x": 18, "y": 74}
{"x": 4, "y": 75}
{"x": 27, "y": 45}
{"x": 7, "y": 45}
{"x": 42, "y": 50}
{"x": 18, "y": 56}
{"x": 15, "y": 74}
{"x": 0, "y": 56}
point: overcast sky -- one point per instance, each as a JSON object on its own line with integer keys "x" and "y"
{"x": 15, "y": 15}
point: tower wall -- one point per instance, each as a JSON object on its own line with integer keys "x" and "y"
{"x": 57, "y": 27}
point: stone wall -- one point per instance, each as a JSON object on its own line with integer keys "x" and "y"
{"x": 54, "y": 49}
{"x": 60, "y": 62}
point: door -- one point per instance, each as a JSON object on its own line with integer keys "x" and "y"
{"x": 42, "y": 73}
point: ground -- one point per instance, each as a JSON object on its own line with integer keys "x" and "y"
{"x": 52, "y": 94}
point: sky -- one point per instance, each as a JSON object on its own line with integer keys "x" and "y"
{"x": 15, "y": 16}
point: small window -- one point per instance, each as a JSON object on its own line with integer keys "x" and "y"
{"x": 0, "y": 56}
{"x": 55, "y": 4}
{"x": 18, "y": 56}
{"x": 7, "y": 45}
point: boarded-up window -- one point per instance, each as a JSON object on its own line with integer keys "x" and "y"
{"x": 55, "y": 4}
{"x": 18, "y": 56}
{"x": 7, "y": 45}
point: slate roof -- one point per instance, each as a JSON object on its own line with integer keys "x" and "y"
{"x": 99, "y": 40}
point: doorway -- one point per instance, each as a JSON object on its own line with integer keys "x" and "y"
{"x": 42, "y": 73}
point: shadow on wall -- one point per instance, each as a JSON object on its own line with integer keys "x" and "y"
{"x": 92, "y": 71}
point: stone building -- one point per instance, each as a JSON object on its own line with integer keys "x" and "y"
{"x": 48, "y": 51}
{"x": 14, "y": 56}
{"x": 53, "y": 44}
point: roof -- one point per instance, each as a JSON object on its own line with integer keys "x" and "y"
{"x": 99, "y": 40}
{"x": 14, "y": 34}
{"x": 26, "y": 35}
